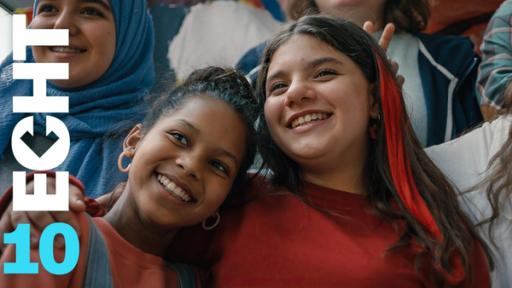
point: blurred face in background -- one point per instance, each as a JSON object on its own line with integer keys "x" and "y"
{"x": 356, "y": 11}
{"x": 92, "y": 38}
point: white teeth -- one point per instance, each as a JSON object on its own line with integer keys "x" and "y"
{"x": 308, "y": 118}
{"x": 65, "y": 49}
{"x": 171, "y": 187}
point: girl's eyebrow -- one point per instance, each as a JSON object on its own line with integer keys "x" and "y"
{"x": 323, "y": 60}
{"x": 223, "y": 152}
{"x": 312, "y": 64}
{"x": 100, "y": 2}
{"x": 276, "y": 75}
{"x": 189, "y": 125}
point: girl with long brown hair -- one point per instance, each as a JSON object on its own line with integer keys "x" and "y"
{"x": 355, "y": 201}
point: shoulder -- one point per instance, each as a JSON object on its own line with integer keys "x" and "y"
{"x": 500, "y": 131}
{"x": 264, "y": 187}
{"x": 256, "y": 50}
{"x": 481, "y": 143}
{"x": 455, "y": 53}
{"x": 251, "y": 58}
{"x": 500, "y": 124}
{"x": 481, "y": 139}
{"x": 260, "y": 185}
{"x": 504, "y": 11}
{"x": 436, "y": 42}
{"x": 261, "y": 194}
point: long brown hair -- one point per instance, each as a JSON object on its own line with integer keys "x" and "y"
{"x": 407, "y": 15}
{"x": 435, "y": 191}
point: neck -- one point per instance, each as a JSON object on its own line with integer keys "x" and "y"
{"x": 138, "y": 231}
{"x": 348, "y": 180}
{"x": 346, "y": 174}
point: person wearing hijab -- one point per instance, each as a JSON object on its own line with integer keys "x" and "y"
{"x": 111, "y": 70}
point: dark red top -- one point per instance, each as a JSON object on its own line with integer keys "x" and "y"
{"x": 279, "y": 241}
{"x": 276, "y": 240}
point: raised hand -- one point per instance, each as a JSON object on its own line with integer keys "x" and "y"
{"x": 384, "y": 40}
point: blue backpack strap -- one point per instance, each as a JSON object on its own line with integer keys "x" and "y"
{"x": 97, "y": 274}
{"x": 187, "y": 277}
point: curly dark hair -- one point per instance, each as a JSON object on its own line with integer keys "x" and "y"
{"x": 225, "y": 84}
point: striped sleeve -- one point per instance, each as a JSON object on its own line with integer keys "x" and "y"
{"x": 495, "y": 71}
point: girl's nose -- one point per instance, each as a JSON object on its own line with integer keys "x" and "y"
{"x": 189, "y": 165}
{"x": 298, "y": 93}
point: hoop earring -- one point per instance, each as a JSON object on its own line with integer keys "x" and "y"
{"x": 128, "y": 153}
{"x": 215, "y": 223}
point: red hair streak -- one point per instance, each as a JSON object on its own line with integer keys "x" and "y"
{"x": 401, "y": 169}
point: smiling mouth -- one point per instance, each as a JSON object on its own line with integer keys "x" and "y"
{"x": 308, "y": 118}
{"x": 66, "y": 49}
{"x": 174, "y": 189}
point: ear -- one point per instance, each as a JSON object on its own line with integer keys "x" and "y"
{"x": 374, "y": 106}
{"x": 133, "y": 139}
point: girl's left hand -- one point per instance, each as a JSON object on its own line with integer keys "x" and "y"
{"x": 387, "y": 33}
{"x": 385, "y": 39}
